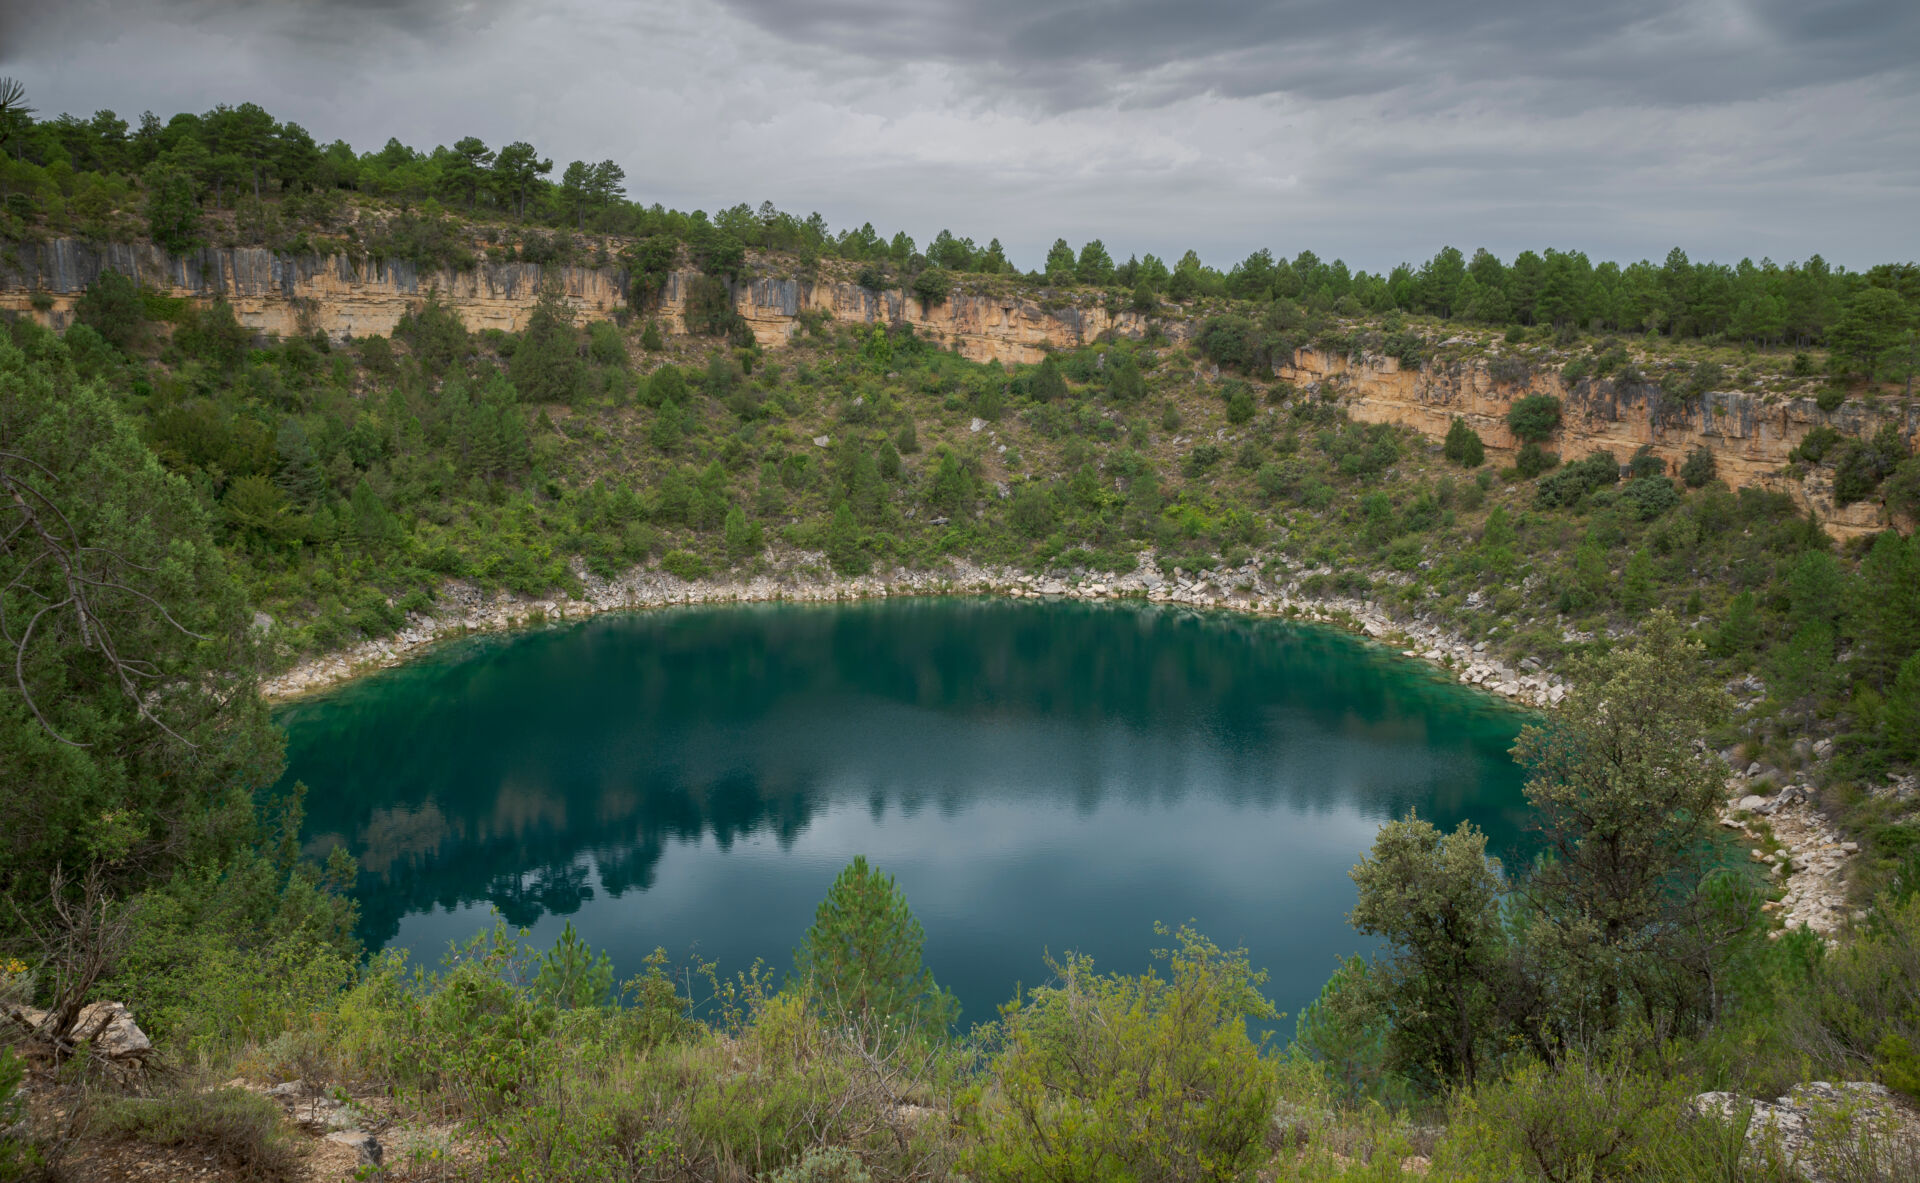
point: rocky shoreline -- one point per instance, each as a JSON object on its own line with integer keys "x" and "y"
{"x": 1810, "y": 866}
{"x": 804, "y": 577}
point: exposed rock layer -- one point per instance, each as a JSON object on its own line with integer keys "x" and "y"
{"x": 1749, "y": 434}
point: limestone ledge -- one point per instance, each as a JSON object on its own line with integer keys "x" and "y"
{"x": 1750, "y": 434}
{"x": 796, "y": 577}
{"x": 1811, "y": 863}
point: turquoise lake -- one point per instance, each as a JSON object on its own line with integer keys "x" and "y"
{"x": 1037, "y": 776}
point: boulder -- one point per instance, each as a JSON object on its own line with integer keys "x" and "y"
{"x": 365, "y": 1146}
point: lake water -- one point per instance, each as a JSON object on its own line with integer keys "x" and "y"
{"x": 1037, "y": 776}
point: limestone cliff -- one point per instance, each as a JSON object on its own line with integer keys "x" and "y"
{"x": 343, "y": 297}
{"x": 1749, "y": 434}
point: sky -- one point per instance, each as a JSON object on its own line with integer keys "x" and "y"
{"x": 1370, "y": 130}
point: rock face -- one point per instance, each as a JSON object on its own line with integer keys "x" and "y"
{"x": 1812, "y": 860}
{"x": 1821, "y": 1131}
{"x": 1749, "y": 434}
{"x": 343, "y": 297}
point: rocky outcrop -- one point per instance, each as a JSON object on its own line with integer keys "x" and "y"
{"x": 1821, "y": 1132}
{"x": 345, "y": 297}
{"x": 1749, "y": 434}
{"x": 1810, "y": 859}
{"x": 293, "y": 294}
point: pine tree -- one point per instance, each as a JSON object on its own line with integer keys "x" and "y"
{"x": 546, "y": 364}
{"x": 1636, "y": 583}
{"x": 843, "y": 543}
{"x": 1739, "y": 629}
{"x": 743, "y": 537}
{"x": 1463, "y": 445}
{"x": 862, "y": 958}
{"x": 1884, "y": 613}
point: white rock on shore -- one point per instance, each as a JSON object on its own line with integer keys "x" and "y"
{"x": 798, "y": 576}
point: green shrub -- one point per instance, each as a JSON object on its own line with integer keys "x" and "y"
{"x": 1571, "y": 484}
{"x": 1650, "y": 496}
{"x": 684, "y": 564}
{"x": 1111, "y": 1076}
{"x": 1587, "y": 1119}
{"x": 1535, "y": 418}
{"x": 1861, "y": 1013}
{"x": 1463, "y": 445}
{"x": 1699, "y": 468}
{"x": 245, "y": 1133}
{"x": 605, "y": 345}
{"x": 1532, "y": 460}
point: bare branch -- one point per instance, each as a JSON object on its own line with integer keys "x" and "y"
{"x": 43, "y": 535}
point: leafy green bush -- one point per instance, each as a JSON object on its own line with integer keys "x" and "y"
{"x": 1532, "y": 460}
{"x": 1589, "y": 1118}
{"x": 1463, "y": 445}
{"x": 1112, "y": 1076}
{"x": 684, "y": 564}
{"x": 1650, "y": 496}
{"x": 1535, "y": 418}
{"x": 1699, "y": 468}
{"x": 1571, "y": 484}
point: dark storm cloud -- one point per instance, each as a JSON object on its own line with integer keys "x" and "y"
{"x": 317, "y": 24}
{"x": 1089, "y": 52}
{"x": 1368, "y": 129}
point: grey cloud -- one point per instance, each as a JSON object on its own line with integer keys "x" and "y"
{"x": 314, "y": 24}
{"x": 1070, "y": 53}
{"x": 1367, "y": 130}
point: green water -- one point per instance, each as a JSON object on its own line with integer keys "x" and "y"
{"x": 1038, "y": 776}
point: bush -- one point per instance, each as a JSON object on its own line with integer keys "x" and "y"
{"x": 831, "y": 1164}
{"x": 684, "y": 564}
{"x": 1860, "y": 1012}
{"x": 1533, "y": 460}
{"x": 709, "y": 310}
{"x": 1464, "y": 446}
{"x": 1650, "y": 496}
{"x": 605, "y": 346}
{"x": 932, "y": 286}
{"x": 1535, "y": 418}
{"x": 1569, "y": 486}
{"x": 1148, "y": 1077}
{"x": 1234, "y": 343}
{"x": 1588, "y": 1118}
{"x": 1239, "y": 405}
{"x": 1860, "y": 465}
{"x": 111, "y": 307}
{"x": 1699, "y": 468}
{"x": 242, "y": 1132}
